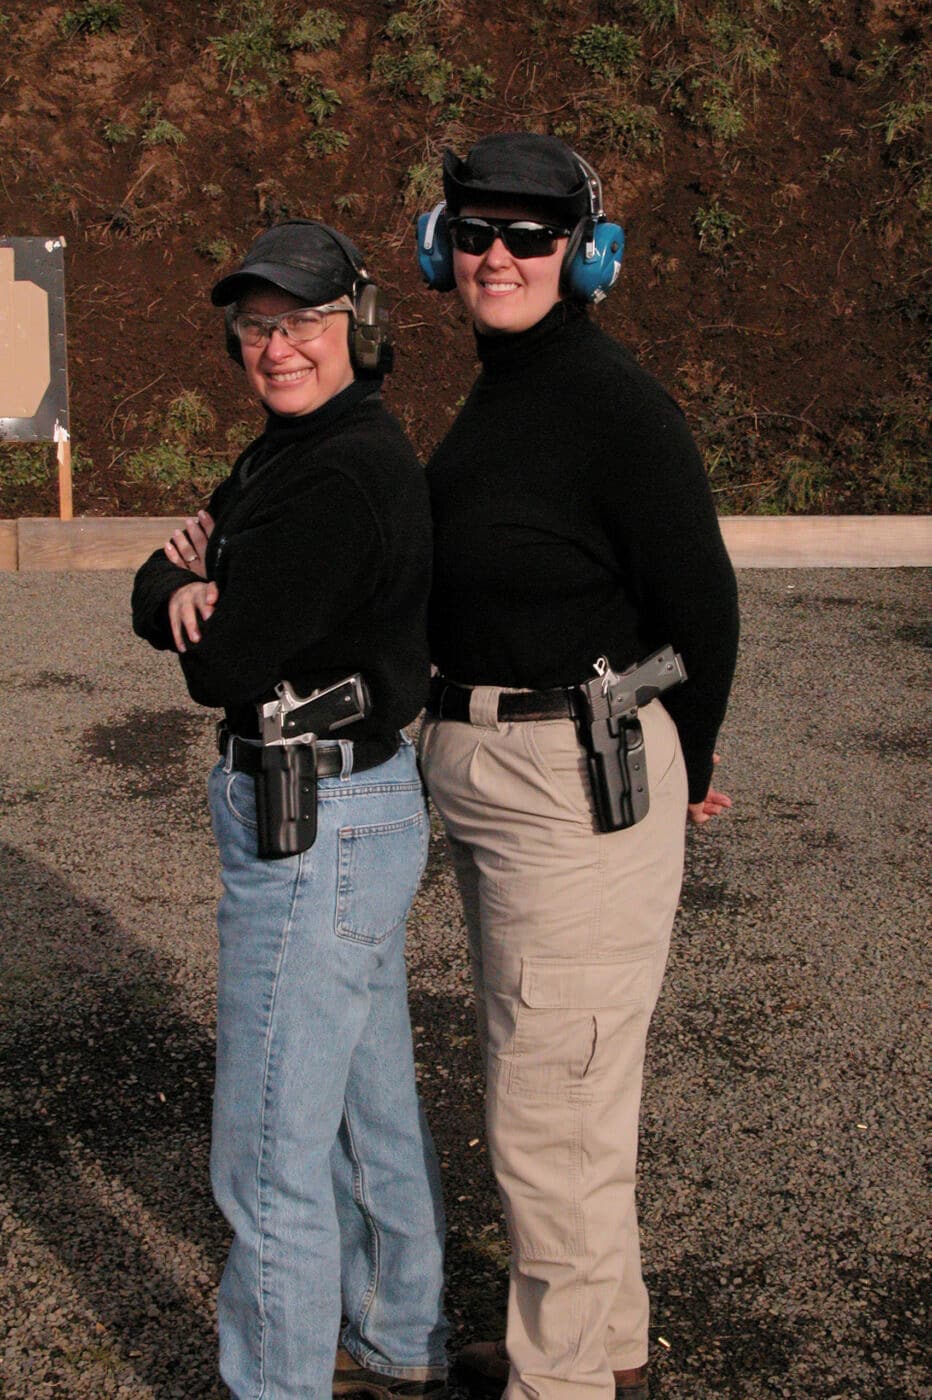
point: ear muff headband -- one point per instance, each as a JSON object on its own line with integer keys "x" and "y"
{"x": 435, "y": 250}
{"x": 370, "y": 341}
{"x": 590, "y": 265}
{"x": 593, "y": 254}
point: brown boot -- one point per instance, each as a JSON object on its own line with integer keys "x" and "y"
{"x": 484, "y": 1366}
{"x": 349, "y": 1378}
{"x": 631, "y": 1384}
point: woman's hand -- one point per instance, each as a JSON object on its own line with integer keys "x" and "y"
{"x": 188, "y": 547}
{"x": 186, "y": 605}
{"x": 712, "y": 804}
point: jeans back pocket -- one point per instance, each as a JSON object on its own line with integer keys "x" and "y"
{"x": 379, "y": 869}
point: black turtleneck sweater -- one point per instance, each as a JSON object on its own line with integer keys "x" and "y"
{"x": 321, "y": 553}
{"x": 573, "y": 519}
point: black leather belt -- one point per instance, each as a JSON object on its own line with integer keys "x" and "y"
{"x": 246, "y": 754}
{"x": 450, "y": 701}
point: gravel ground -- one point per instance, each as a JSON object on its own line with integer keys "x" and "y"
{"x": 783, "y": 1201}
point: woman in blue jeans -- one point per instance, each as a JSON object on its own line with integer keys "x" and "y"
{"x": 311, "y": 564}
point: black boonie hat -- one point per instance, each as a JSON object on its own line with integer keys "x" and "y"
{"x": 308, "y": 259}
{"x": 538, "y": 169}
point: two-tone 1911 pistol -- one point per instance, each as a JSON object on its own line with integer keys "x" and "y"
{"x": 606, "y": 714}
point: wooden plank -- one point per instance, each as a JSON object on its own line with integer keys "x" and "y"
{"x": 828, "y": 541}
{"x": 753, "y": 541}
{"x": 91, "y": 542}
{"x": 8, "y": 550}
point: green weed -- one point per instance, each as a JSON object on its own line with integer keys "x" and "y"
{"x": 744, "y": 49}
{"x": 93, "y": 17}
{"x": 348, "y": 203}
{"x": 189, "y": 416}
{"x": 606, "y": 49}
{"x": 716, "y": 228}
{"x": 315, "y": 30}
{"x": 164, "y": 133}
{"x": 883, "y": 63}
{"x": 668, "y": 80}
{"x": 238, "y": 436}
{"x": 405, "y": 26}
{"x": 475, "y": 83}
{"x": 423, "y": 186}
{"x": 657, "y": 13}
{"x": 884, "y": 447}
{"x": 118, "y": 133}
{"x": 326, "y": 141}
{"x": 632, "y": 130}
{"x": 802, "y": 484}
{"x": 721, "y": 110}
{"x": 168, "y": 466}
{"x": 420, "y": 71}
{"x": 31, "y": 464}
{"x": 832, "y": 162}
{"x": 318, "y": 101}
{"x": 178, "y": 459}
{"x": 249, "y": 44}
{"x": 216, "y": 250}
{"x": 900, "y": 120}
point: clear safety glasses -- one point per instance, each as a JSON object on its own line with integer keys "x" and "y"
{"x": 298, "y": 327}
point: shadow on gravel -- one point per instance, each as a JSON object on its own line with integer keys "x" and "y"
{"x": 105, "y": 1087}
{"x": 149, "y": 750}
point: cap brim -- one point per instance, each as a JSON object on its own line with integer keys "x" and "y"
{"x": 313, "y": 291}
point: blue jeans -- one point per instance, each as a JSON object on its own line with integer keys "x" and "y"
{"x": 321, "y": 1159}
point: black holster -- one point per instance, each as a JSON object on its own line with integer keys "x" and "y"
{"x": 286, "y": 799}
{"x": 617, "y": 771}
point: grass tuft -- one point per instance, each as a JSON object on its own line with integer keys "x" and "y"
{"x": 164, "y": 133}
{"x": 93, "y": 17}
{"x": 315, "y": 30}
{"x": 607, "y": 49}
{"x": 118, "y": 133}
{"x": 326, "y": 141}
{"x": 716, "y": 228}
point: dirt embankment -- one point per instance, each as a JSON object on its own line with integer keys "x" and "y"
{"x": 765, "y": 158}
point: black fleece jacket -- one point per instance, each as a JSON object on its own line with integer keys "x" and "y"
{"x": 573, "y": 519}
{"x": 321, "y": 552}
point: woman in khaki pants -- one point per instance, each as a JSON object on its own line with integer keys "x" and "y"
{"x": 572, "y": 522}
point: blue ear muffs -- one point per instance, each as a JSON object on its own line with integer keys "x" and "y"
{"x": 435, "y": 251}
{"x": 593, "y": 260}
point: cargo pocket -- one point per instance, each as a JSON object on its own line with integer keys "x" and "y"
{"x": 379, "y": 870}
{"x": 578, "y": 1025}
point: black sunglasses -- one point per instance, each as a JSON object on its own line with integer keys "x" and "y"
{"x": 524, "y": 238}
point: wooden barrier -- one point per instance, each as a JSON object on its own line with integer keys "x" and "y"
{"x": 90, "y": 542}
{"x": 754, "y": 541}
{"x": 828, "y": 541}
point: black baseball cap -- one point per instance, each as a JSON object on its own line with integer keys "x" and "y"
{"x": 308, "y": 259}
{"x": 539, "y": 170}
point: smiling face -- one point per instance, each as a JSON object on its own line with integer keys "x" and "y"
{"x": 503, "y": 293}
{"x": 294, "y": 379}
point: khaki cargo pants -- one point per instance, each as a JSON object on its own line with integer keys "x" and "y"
{"x": 569, "y": 930}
